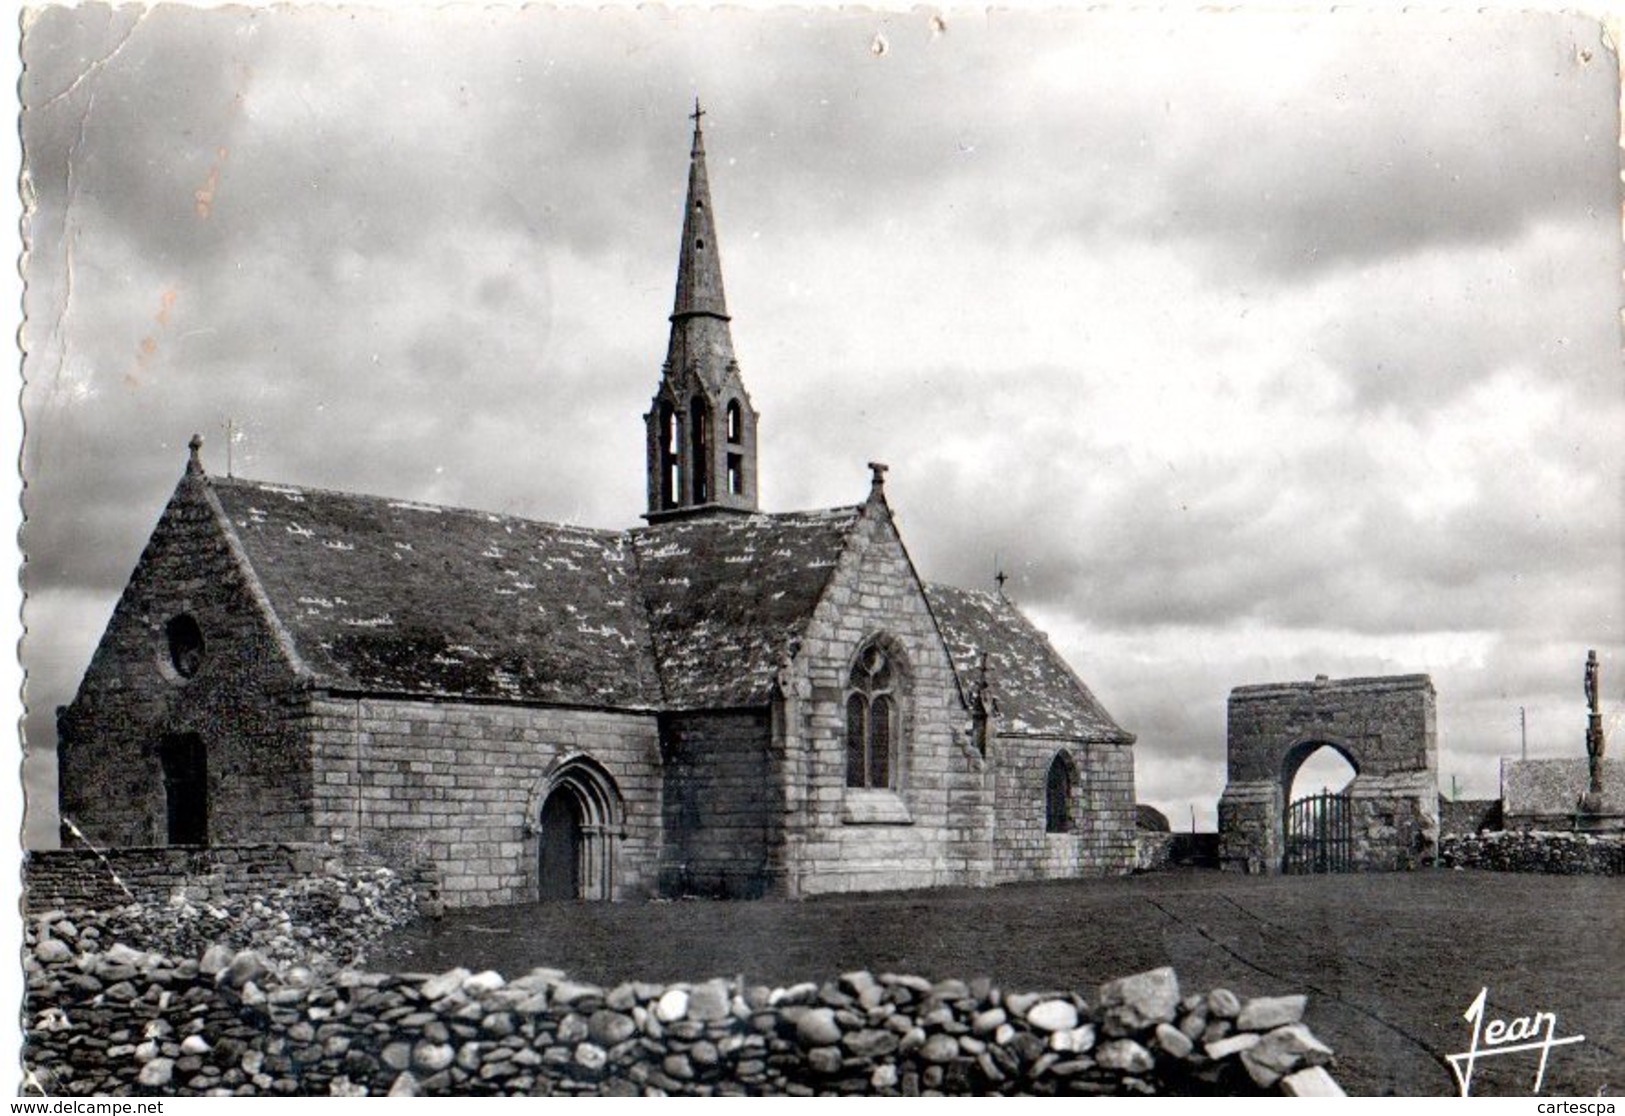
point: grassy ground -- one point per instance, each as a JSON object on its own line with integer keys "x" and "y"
{"x": 1390, "y": 962}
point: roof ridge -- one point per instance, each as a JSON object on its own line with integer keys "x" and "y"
{"x": 744, "y": 517}
{"x": 403, "y": 501}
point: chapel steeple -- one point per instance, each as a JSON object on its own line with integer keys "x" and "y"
{"x": 701, "y": 426}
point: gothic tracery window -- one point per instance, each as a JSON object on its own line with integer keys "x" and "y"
{"x": 872, "y": 720}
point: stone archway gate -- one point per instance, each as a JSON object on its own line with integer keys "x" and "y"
{"x": 1385, "y": 727}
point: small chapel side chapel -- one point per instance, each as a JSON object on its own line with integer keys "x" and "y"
{"x": 720, "y": 702}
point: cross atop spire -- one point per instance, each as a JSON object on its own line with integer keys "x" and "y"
{"x": 698, "y": 146}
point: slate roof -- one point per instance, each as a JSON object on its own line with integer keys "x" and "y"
{"x": 403, "y": 597}
{"x": 1037, "y": 693}
{"x": 395, "y": 596}
{"x": 729, "y": 596}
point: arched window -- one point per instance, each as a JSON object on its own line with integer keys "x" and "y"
{"x": 670, "y": 478}
{"x": 700, "y": 452}
{"x": 1058, "y": 795}
{"x": 872, "y": 720}
{"x": 185, "y": 639}
{"x": 736, "y": 424}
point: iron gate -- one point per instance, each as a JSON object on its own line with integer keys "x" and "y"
{"x": 1319, "y": 835}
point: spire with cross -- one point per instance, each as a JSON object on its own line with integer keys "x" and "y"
{"x": 701, "y": 428}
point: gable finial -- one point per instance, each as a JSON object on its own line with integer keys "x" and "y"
{"x": 877, "y": 477}
{"x": 194, "y": 462}
{"x": 1000, "y": 578}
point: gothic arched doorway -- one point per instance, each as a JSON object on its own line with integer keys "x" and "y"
{"x": 558, "y": 873}
{"x": 579, "y": 820}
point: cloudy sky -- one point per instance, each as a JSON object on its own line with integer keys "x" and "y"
{"x": 1252, "y": 346}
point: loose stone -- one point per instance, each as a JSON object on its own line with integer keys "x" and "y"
{"x": 825, "y": 1060}
{"x": 1136, "y": 1003}
{"x": 1235, "y": 1044}
{"x": 817, "y": 1027}
{"x": 709, "y": 1001}
{"x": 446, "y": 983}
{"x": 590, "y": 1056}
{"x": 672, "y": 1006}
{"x": 157, "y": 1072}
{"x": 1173, "y": 1041}
{"x": 1052, "y": 1015}
{"x": 1265, "y": 1013}
{"x": 609, "y": 1028}
{"x": 940, "y": 1048}
{"x": 1124, "y": 1055}
{"x": 432, "y": 1057}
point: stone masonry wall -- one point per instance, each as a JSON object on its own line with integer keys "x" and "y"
{"x": 724, "y": 807}
{"x": 1101, "y": 838}
{"x": 1559, "y": 854}
{"x": 1385, "y": 727}
{"x": 105, "y": 878}
{"x": 1468, "y": 815}
{"x": 257, "y": 753}
{"x": 456, "y": 784}
{"x": 935, "y": 829}
{"x": 103, "y": 1018}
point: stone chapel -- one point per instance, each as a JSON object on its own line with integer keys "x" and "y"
{"x": 722, "y": 701}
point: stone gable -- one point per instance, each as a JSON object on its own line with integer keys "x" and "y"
{"x": 133, "y": 697}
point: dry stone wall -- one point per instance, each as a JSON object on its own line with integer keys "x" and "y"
{"x": 106, "y": 1018}
{"x": 1562, "y": 854}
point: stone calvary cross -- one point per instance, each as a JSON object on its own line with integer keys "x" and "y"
{"x": 1596, "y": 743}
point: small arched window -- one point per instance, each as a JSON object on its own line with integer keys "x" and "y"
{"x": 185, "y": 638}
{"x": 670, "y": 477}
{"x": 872, "y": 720}
{"x": 1058, "y": 795}
{"x": 699, "y": 427}
{"x": 736, "y": 425}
